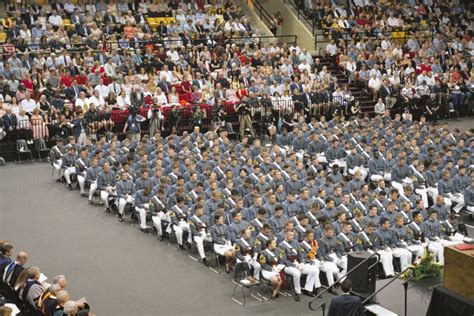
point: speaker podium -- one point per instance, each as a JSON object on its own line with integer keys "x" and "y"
{"x": 363, "y": 280}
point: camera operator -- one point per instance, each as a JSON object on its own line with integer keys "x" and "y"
{"x": 218, "y": 115}
{"x": 156, "y": 118}
{"x": 133, "y": 124}
{"x": 198, "y": 115}
{"x": 245, "y": 120}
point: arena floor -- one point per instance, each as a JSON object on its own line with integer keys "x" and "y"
{"x": 122, "y": 271}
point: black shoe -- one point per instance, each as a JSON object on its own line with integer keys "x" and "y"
{"x": 90, "y": 202}
{"x": 70, "y": 186}
{"x": 120, "y": 217}
{"x": 204, "y": 261}
{"x": 161, "y": 238}
{"x": 316, "y": 291}
{"x": 83, "y": 195}
{"x": 58, "y": 180}
{"x": 145, "y": 230}
{"x": 181, "y": 247}
{"x": 308, "y": 293}
{"x": 107, "y": 209}
{"x": 297, "y": 297}
{"x": 188, "y": 245}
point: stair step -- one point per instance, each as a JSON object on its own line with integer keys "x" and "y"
{"x": 379, "y": 310}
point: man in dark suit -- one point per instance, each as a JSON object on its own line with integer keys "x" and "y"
{"x": 346, "y": 304}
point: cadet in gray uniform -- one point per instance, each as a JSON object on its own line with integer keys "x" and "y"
{"x": 125, "y": 192}
{"x": 244, "y": 249}
{"x": 199, "y": 224}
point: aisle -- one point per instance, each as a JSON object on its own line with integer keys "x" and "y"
{"x": 115, "y": 266}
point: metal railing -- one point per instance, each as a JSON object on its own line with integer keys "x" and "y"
{"x": 302, "y": 13}
{"x": 107, "y": 46}
{"x": 323, "y": 304}
{"x": 394, "y": 35}
{"x": 405, "y": 286}
{"x": 263, "y": 14}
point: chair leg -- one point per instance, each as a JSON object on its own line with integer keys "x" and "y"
{"x": 243, "y": 295}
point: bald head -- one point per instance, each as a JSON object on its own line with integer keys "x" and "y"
{"x": 22, "y": 258}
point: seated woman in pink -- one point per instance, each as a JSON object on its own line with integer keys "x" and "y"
{"x": 40, "y": 130}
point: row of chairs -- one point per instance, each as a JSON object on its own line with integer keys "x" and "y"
{"x": 40, "y": 147}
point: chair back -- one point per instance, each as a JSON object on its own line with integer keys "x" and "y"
{"x": 40, "y": 144}
{"x": 242, "y": 270}
{"x": 21, "y": 144}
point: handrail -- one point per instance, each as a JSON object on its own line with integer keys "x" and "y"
{"x": 301, "y": 12}
{"x": 395, "y": 34}
{"x": 263, "y": 14}
{"x": 405, "y": 285}
{"x": 341, "y": 278}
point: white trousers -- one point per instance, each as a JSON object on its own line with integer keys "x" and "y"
{"x": 67, "y": 173}
{"x": 57, "y": 167}
{"x": 470, "y": 209}
{"x": 405, "y": 256}
{"x": 423, "y": 193}
{"x": 123, "y": 201}
{"x": 340, "y": 262}
{"x": 433, "y": 192}
{"x": 81, "y": 178}
{"x": 386, "y": 259}
{"x": 199, "y": 240}
{"x": 179, "y": 229}
{"x": 296, "y": 274}
{"x": 378, "y": 177}
{"x": 157, "y": 219}
{"x": 142, "y": 216}
{"x": 322, "y": 158}
{"x": 417, "y": 250}
{"x": 104, "y": 196}
{"x": 92, "y": 189}
{"x": 312, "y": 276}
{"x": 399, "y": 186}
{"x": 456, "y": 198}
{"x": 331, "y": 270}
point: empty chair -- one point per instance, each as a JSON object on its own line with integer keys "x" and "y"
{"x": 22, "y": 148}
{"x": 41, "y": 147}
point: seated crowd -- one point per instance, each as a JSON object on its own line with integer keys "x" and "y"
{"x": 409, "y": 54}
{"x": 204, "y": 60}
{"x": 26, "y": 288}
{"x": 303, "y": 198}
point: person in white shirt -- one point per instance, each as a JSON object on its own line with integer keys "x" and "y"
{"x": 379, "y": 108}
{"x": 110, "y": 69}
{"x": 102, "y": 89}
{"x": 351, "y": 67}
{"x": 28, "y": 104}
{"x": 114, "y": 87}
{"x": 82, "y": 102}
{"x": 97, "y": 100}
{"x": 123, "y": 100}
{"x": 166, "y": 74}
{"x": 304, "y": 66}
{"x": 55, "y": 19}
{"x": 160, "y": 97}
{"x": 374, "y": 84}
{"x": 331, "y": 48}
{"x": 173, "y": 54}
{"x": 393, "y": 21}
